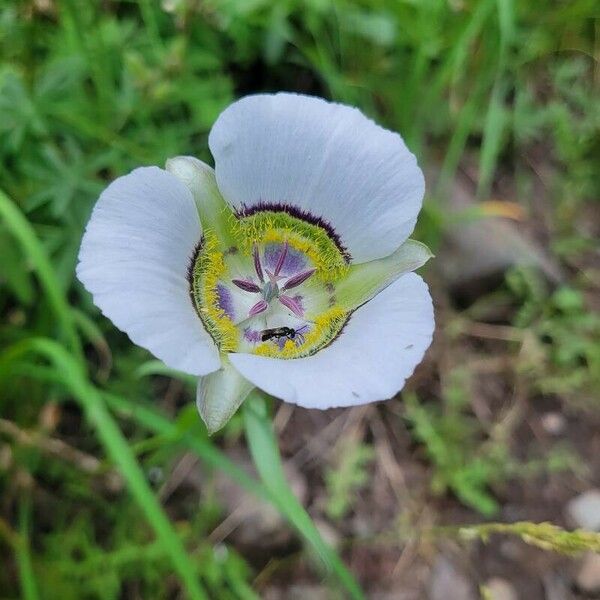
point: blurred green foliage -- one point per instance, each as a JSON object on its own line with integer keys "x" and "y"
{"x": 89, "y": 90}
{"x": 467, "y": 459}
{"x": 345, "y": 478}
{"x": 563, "y": 354}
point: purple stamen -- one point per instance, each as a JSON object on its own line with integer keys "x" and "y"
{"x": 247, "y": 286}
{"x": 281, "y": 258}
{"x": 259, "y": 307}
{"x": 297, "y": 279}
{"x": 292, "y": 304}
{"x": 257, "y": 265}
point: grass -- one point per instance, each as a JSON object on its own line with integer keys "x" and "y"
{"x": 89, "y": 91}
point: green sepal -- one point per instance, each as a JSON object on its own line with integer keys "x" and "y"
{"x": 366, "y": 280}
{"x": 219, "y": 395}
{"x": 215, "y": 213}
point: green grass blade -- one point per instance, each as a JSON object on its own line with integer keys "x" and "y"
{"x": 453, "y": 63}
{"x": 23, "y": 232}
{"x": 496, "y": 119}
{"x": 149, "y": 15}
{"x": 28, "y": 584}
{"x": 119, "y": 451}
{"x": 458, "y": 141}
{"x": 506, "y": 21}
{"x": 290, "y": 508}
{"x": 202, "y": 447}
{"x": 265, "y": 453}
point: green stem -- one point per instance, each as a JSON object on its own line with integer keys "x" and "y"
{"x": 266, "y": 456}
{"x": 28, "y": 585}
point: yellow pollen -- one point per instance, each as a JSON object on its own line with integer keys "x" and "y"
{"x": 312, "y": 240}
{"x": 210, "y": 268}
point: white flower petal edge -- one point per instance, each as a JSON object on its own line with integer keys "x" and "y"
{"x": 323, "y": 158}
{"x": 377, "y": 351}
{"x": 134, "y": 259}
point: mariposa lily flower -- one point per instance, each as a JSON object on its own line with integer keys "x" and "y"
{"x": 287, "y": 267}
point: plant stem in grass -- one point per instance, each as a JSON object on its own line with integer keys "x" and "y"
{"x": 265, "y": 453}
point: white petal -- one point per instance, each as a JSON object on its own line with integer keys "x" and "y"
{"x": 219, "y": 395}
{"x": 134, "y": 259}
{"x": 324, "y": 158}
{"x": 379, "y": 348}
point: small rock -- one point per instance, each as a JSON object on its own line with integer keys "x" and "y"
{"x": 511, "y": 549}
{"x": 328, "y": 533}
{"x": 584, "y": 510}
{"x": 553, "y": 423}
{"x": 588, "y": 576}
{"x": 475, "y": 253}
{"x": 446, "y": 580}
{"x": 500, "y": 589}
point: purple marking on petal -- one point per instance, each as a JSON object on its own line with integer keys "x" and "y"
{"x": 224, "y": 300}
{"x": 298, "y": 298}
{"x": 292, "y": 304}
{"x": 257, "y": 265}
{"x": 245, "y": 285}
{"x": 252, "y": 335}
{"x": 259, "y": 307}
{"x": 298, "y": 279}
{"x": 281, "y": 258}
{"x": 294, "y": 262}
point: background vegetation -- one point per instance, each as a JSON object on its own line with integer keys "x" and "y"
{"x": 111, "y": 487}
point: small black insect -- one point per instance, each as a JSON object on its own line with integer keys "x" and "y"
{"x": 277, "y": 333}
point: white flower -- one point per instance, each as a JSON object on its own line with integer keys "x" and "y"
{"x": 286, "y": 268}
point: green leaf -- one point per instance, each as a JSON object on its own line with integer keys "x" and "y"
{"x": 14, "y": 272}
{"x": 29, "y": 586}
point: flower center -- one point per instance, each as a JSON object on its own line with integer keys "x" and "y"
{"x": 273, "y": 291}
